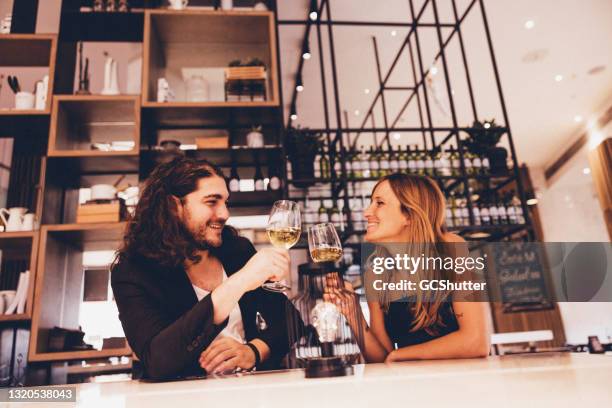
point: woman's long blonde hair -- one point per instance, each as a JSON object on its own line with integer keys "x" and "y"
{"x": 422, "y": 201}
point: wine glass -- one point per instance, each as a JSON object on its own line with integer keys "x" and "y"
{"x": 323, "y": 243}
{"x": 284, "y": 228}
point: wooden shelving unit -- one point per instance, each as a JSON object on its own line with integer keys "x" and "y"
{"x": 21, "y": 245}
{"x": 57, "y": 295}
{"x": 41, "y": 52}
{"x": 70, "y": 124}
{"x": 203, "y": 39}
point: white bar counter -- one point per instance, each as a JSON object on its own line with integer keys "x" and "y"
{"x": 537, "y": 380}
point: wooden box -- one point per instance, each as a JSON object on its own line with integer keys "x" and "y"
{"x": 110, "y": 212}
{"x": 212, "y": 142}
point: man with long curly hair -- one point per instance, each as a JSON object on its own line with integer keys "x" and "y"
{"x": 188, "y": 287}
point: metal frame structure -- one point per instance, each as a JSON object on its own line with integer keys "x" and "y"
{"x": 418, "y": 76}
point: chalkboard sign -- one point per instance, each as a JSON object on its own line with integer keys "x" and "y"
{"x": 520, "y": 272}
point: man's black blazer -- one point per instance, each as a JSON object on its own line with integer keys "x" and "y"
{"x": 168, "y": 328}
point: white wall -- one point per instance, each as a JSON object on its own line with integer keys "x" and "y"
{"x": 570, "y": 212}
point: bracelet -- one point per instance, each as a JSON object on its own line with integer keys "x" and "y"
{"x": 256, "y": 352}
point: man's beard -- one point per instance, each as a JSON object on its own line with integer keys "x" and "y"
{"x": 197, "y": 237}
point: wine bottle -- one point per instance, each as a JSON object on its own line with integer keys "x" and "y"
{"x": 317, "y": 163}
{"x": 324, "y": 164}
{"x": 486, "y": 167}
{"x": 455, "y": 163}
{"x": 323, "y": 214}
{"x": 335, "y": 216}
{"x": 420, "y": 162}
{"x": 274, "y": 184}
{"x": 393, "y": 161}
{"x": 501, "y": 211}
{"x": 476, "y": 212}
{"x": 449, "y": 215}
{"x": 429, "y": 163}
{"x": 476, "y": 164}
{"x": 374, "y": 164}
{"x": 412, "y": 161}
{"x": 384, "y": 162}
{"x": 356, "y": 163}
{"x": 365, "y": 164}
{"x": 485, "y": 216}
{"x": 259, "y": 179}
{"x": 403, "y": 160}
{"x": 493, "y": 212}
{"x": 467, "y": 163}
{"x": 234, "y": 183}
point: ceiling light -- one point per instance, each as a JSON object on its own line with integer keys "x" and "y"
{"x": 293, "y": 116}
{"x": 366, "y": 91}
{"x": 306, "y": 53}
{"x": 299, "y": 86}
{"x": 393, "y": 33}
{"x": 487, "y": 125}
{"x": 558, "y": 77}
{"x": 293, "y": 113}
{"x": 577, "y": 118}
{"x": 532, "y": 201}
{"x": 529, "y": 24}
{"x": 313, "y": 10}
{"x": 433, "y": 70}
{"x": 396, "y": 136}
{"x": 586, "y": 170}
{"x": 356, "y": 112}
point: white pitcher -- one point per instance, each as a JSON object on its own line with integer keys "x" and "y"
{"x": 15, "y": 218}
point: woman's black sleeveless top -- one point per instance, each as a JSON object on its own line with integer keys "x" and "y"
{"x": 399, "y": 320}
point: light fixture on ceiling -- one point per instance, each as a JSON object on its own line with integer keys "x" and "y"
{"x": 396, "y": 136}
{"x": 299, "y": 85}
{"x": 529, "y": 24}
{"x": 586, "y": 170}
{"x": 313, "y": 15}
{"x": 487, "y": 125}
{"x": 433, "y": 70}
{"x": 293, "y": 113}
{"x": 558, "y": 77}
{"x": 393, "y": 33}
{"x": 306, "y": 51}
{"x": 356, "y": 112}
{"x": 366, "y": 91}
{"x": 578, "y": 118}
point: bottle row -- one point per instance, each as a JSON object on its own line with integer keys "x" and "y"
{"x": 378, "y": 162}
{"x": 259, "y": 183}
{"x": 489, "y": 209}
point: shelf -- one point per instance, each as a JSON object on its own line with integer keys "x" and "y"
{"x": 94, "y": 26}
{"x": 80, "y": 355}
{"x": 78, "y": 121}
{"x": 14, "y": 317}
{"x": 200, "y": 39}
{"x": 82, "y": 234}
{"x": 185, "y": 115}
{"x": 40, "y": 50}
{"x": 96, "y": 162}
{"x": 59, "y": 284}
{"x": 254, "y": 199}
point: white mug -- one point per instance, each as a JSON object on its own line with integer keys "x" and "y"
{"x": 28, "y": 222}
{"x": 14, "y": 222}
{"x": 177, "y": 4}
{"x": 24, "y": 100}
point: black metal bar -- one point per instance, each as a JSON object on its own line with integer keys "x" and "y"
{"x": 24, "y": 16}
{"x": 323, "y": 80}
{"x": 423, "y": 76}
{"x": 399, "y": 88}
{"x": 396, "y": 59}
{"x": 364, "y": 23}
{"x": 400, "y": 129}
{"x": 382, "y": 95}
{"x": 519, "y": 182}
{"x": 465, "y": 63}
{"x": 414, "y": 79}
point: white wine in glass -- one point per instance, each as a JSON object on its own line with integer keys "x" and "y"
{"x": 324, "y": 243}
{"x": 284, "y": 229}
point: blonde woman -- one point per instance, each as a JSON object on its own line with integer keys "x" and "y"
{"x": 410, "y": 209}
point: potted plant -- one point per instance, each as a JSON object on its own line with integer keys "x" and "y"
{"x": 302, "y": 145}
{"x": 483, "y": 140}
